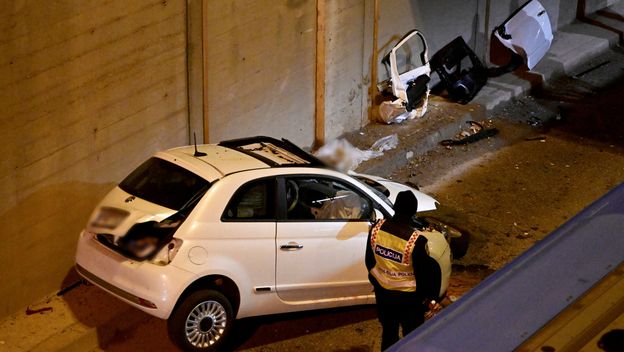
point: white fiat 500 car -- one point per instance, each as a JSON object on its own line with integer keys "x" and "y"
{"x": 202, "y": 236}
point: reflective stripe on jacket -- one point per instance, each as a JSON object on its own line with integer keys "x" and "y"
{"x": 393, "y": 255}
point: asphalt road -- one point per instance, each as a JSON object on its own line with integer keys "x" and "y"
{"x": 556, "y": 152}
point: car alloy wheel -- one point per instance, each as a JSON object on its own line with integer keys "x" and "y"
{"x": 205, "y": 324}
{"x": 202, "y": 321}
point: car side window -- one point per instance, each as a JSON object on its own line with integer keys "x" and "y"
{"x": 317, "y": 198}
{"x": 255, "y": 200}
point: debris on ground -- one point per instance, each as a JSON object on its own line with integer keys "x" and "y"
{"x": 30, "y": 311}
{"x": 475, "y": 132}
{"x": 538, "y": 138}
{"x": 386, "y": 143}
{"x": 342, "y": 155}
{"x": 72, "y": 286}
{"x": 534, "y": 121}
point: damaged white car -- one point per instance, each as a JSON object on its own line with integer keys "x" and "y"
{"x": 202, "y": 236}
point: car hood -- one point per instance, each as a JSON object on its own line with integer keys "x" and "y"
{"x": 425, "y": 202}
{"x": 132, "y": 209}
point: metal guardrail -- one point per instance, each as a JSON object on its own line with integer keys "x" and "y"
{"x": 518, "y": 300}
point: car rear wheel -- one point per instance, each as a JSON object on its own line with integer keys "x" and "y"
{"x": 202, "y": 321}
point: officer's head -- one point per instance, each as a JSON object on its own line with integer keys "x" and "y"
{"x": 405, "y": 205}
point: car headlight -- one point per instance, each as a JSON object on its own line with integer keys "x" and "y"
{"x": 167, "y": 253}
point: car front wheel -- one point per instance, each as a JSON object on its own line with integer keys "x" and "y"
{"x": 202, "y": 321}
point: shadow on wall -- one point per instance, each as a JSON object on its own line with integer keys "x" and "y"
{"x": 39, "y": 239}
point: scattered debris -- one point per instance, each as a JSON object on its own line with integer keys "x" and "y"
{"x": 342, "y": 155}
{"x": 523, "y": 235}
{"x": 538, "y": 138}
{"x": 475, "y": 133}
{"x": 30, "y": 311}
{"x": 386, "y": 143}
{"x": 66, "y": 289}
{"x": 534, "y": 121}
{"x": 409, "y": 155}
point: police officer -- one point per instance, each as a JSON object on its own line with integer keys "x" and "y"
{"x": 405, "y": 278}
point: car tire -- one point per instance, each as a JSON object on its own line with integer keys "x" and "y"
{"x": 201, "y": 322}
{"x": 459, "y": 245}
{"x": 459, "y": 240}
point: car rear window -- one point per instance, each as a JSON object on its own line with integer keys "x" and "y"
{"x": 163, "y": 183}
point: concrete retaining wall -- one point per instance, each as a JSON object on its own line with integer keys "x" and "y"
{"x": 87, "y": 91}
{"x": 261, "y": 61}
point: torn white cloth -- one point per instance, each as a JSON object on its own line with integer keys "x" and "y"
{"x": 342, "y": 155}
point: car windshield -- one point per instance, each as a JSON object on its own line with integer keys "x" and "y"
{"x": 370, "y": 184}
{"x": 163, "y": 183}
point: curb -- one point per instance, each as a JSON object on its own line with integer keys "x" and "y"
{"x": 573, "y": 45}
{"x": 443, "y": 120}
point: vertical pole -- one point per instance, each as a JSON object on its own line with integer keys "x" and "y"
{"x": 205, "y": 69}
{"x": 319, "y": 113}
{"x": 372, "y": 91}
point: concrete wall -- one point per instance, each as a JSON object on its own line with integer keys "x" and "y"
{"x": 347, "y": 69}
{"x": 349, "y": 51}
{"x": 261, "y": 61}
{"x": 87, "y": 91}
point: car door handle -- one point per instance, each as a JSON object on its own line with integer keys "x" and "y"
{"x": 291, "y": 246}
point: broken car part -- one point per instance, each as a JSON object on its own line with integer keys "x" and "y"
{"x": 527, "y": 32}
{"x": 460, "y": 70}
{"x": 479, "y": 134}
{"x": 409, "y": 73}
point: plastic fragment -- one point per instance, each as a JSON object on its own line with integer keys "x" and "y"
{"x": 386, "y": 143}
{"x": 30, "y": 311}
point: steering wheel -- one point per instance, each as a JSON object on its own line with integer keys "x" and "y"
{"x": 292, "y": 194}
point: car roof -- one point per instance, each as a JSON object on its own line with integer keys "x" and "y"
{"x": 217, "y": 162}
{"x": 273, "y": 152}
{"x": 214, "y": 161}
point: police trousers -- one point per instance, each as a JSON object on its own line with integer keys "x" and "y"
{"x": 397, "y": 309}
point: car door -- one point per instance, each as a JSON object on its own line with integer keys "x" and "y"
{"x": 248, "y": 228}
{"x": 527, "y": 32}
{"x": 408, "y": 71}
{"x": 321, "y": 240}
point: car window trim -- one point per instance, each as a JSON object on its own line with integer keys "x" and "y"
{"x": 224, "y": 218}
